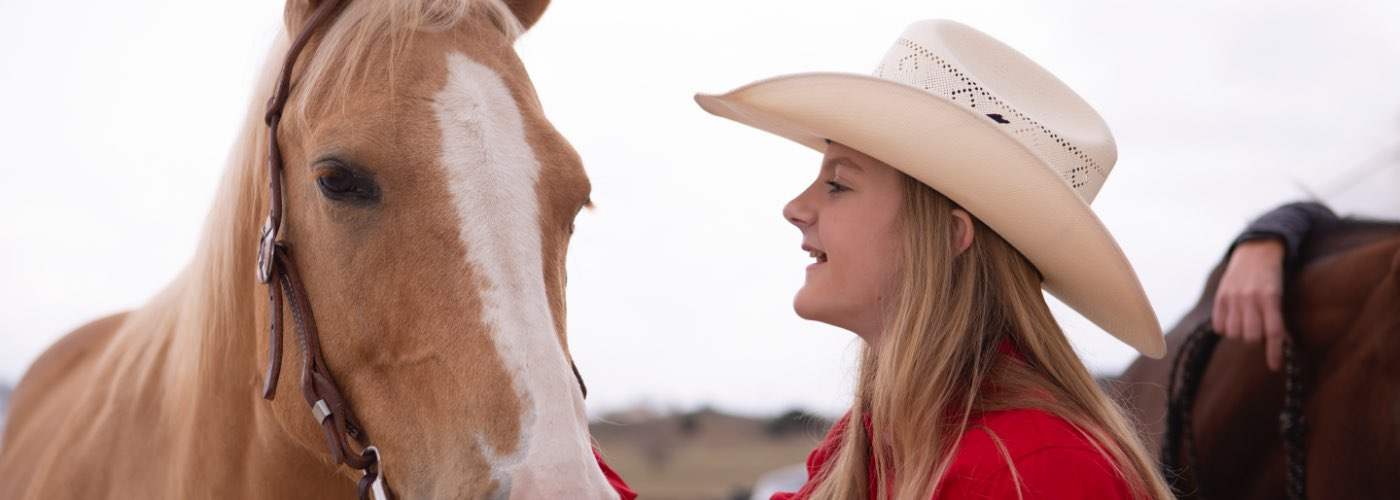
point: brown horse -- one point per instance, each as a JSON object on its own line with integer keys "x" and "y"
{"x": 1343, "y": 312}
{"x": 430, "y": 204}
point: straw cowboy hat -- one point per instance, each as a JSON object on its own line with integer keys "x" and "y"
{"x": 989, "y": 129}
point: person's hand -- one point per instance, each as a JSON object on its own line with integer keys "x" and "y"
{"x": 1249, "y": 300}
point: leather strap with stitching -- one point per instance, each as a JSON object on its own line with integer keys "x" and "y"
{"x": 278, "y": 270}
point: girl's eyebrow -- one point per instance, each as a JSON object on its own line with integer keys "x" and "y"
{"x": 843, "y": 161}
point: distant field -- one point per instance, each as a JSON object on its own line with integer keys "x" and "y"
{"x": 705, "y": 454}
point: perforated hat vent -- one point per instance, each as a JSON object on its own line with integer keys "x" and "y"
{"x": 913, "y": 64}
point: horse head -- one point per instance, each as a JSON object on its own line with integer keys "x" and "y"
{"x": 429, "y": 205}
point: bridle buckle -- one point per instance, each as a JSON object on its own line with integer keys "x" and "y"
{"x": 266, "y": 246}
{"x": 377, "y": 486}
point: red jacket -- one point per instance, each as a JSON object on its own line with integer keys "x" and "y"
{"x": 1053, "y": 459}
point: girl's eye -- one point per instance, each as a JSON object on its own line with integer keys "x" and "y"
{"x": 836, "y": 187}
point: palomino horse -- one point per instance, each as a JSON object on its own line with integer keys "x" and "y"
{"x": 1343, "y": 312}
{"x": 430, "y": 204}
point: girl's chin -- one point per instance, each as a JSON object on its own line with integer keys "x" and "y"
{"x": 815, "y": 304}
{"x": 800, "y": 305}
{"x": 808, "y": 305}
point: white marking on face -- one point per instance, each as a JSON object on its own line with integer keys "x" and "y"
{"x": 491, "y": 173}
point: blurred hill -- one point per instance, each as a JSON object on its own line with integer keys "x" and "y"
{"x": 703, "y": 454}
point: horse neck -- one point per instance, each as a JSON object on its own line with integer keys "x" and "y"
{"x": 1341, "y": 282}
{"x": 1345, "y": 234}
{"x": 1352, "y": 365}
{"x": 1343, "y": 264}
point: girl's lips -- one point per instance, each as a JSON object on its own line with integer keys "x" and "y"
{"x": 819, "y": 255}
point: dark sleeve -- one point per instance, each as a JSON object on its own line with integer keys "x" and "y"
{"x": 1289, "y": 224}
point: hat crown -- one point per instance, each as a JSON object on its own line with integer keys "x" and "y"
{"x": 969, "y": 68}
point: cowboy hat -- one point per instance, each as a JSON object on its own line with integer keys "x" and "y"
{"x": 992, "y": 131}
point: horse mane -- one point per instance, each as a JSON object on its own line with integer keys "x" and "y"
{"x": 208, "y": 309}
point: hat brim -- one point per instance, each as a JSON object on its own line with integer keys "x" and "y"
{"x": 966, "y": 157}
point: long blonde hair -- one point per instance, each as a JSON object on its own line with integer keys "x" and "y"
{"x": 947, "y": 317}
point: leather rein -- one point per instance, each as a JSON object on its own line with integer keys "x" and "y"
{"x": 277, "y": 269}
{"x": 1183, "y": 385}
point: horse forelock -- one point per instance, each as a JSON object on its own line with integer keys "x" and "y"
{"x": 382, "y": 31}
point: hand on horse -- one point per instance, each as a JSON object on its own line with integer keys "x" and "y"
{"x": 1249, "y": 301}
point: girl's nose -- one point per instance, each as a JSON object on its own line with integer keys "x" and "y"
{"x": 799, "y": 212}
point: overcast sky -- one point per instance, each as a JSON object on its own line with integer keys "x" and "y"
{"x": 116, "y": 118}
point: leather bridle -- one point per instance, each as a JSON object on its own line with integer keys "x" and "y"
{"x": 278, "y": 271}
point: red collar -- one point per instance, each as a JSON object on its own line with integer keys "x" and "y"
{"x": 1007, "y": 347}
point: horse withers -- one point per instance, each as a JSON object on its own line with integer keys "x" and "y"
{"x": 1343, "y": 311}
{"x": 429, "y": 204}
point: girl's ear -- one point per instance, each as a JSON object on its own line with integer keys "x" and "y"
{"x": 963, "y": 229}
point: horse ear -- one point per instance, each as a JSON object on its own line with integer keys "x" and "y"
{"x": 527, "y": 11}
{"x": 296, "y": 13}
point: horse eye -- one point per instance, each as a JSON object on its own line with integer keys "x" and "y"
{"x": 337, "y": 183}
{"x": 341, "y": 183}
